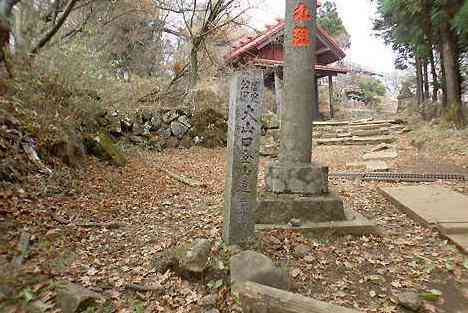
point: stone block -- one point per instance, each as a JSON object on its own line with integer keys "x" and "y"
{"x": 256, "y": 298}
{"x": 369, "y": 126}
{"x": 460, "y": 240}
{"x": 156, "y": 122}
{"x": 453, "y": 228}
{"x": 382, "y": 147}
{"x": 293, "y": 178}
{"x": 355, "y": 224}
{"x": 269, "y": 144}
{"x": 370, "y": 133}
{"x": 72, "y": 298}
{"x": 377, "y": 166}
{"x": 342, "y": 135}
{"x": 357, "y": 165}
{"x": 271, "y": 150}
{"x": 356, "y": 140}
{"x": 280, "y": 209}
{"x": 270, "y": 120}
{"x": 240, "y": 191}
{"x": 170, "y": 116}
{"x": 194, "y": 257}
{"x": 410, "y": 300}
{"x": 381, "y": 155}
{"x": 104, "y": 148}
{"x": 268, "y": 140}
{"x": 274, "y": 133}
{"x": 179, "y": 129}
{"x": 374, "y": 140}
{"x": 256, "y": 267}
{"x": 332, "y": 135}
{"x": 334, "y": 141}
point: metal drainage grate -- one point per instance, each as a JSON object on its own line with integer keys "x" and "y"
{"x": 401, "y": 177}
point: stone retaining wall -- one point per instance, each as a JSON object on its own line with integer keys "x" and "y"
{"x": 167, "y": 128}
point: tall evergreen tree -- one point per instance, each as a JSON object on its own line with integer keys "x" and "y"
{"x": 417, "y": 28}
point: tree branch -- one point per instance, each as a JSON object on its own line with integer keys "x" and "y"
{"x": 50, "y": 34}
{"x": 164, "y": 29}
{"x": 75, "y": 31}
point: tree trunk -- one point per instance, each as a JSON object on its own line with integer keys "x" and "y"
{"x": 451, "y": 66}
{"x": 435, "y": 79}
{"x": 426, "y": 80}
{"x": 430, "y": 40}
{"x": 419, "y": 80}
{"x": 193, "y": 67}
{"x": 19, "y": 39}
{"x": 443, "y": 79}
{"x": 193, "y": 79}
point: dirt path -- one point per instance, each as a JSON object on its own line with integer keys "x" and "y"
{"x": 156, "y": 211}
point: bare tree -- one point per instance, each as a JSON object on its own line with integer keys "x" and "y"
{"x": 201, "y": 20}
{"x": 56, "y": 24}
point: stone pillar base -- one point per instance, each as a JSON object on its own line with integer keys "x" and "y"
{"x": 281, "y": 209}
{"x": 294, "y": 178}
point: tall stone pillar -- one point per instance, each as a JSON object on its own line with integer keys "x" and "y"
{"x": 297, "y": 195}
{"x": 240, "y": 188}
{"x": 294, "y": 173}
{"x": 299, "y": 75}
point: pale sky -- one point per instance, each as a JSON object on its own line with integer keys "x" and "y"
{"x": 366, "y": 50}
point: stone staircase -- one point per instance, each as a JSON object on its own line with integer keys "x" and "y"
{"x": 363, "y": 132}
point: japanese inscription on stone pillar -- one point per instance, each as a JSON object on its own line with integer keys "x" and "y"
{"x": 301, "y": 33}
{"x": 240, "y": 194}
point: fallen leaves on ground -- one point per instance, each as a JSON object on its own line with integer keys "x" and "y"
{"x": 156, "y": 212}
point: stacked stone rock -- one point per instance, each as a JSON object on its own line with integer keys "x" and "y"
{"x": 160, "y": 129}
{"x": 169, "y": 128}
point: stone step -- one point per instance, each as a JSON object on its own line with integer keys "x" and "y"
{"x": 460, "y": 240}
{"x": 355, "y": 224}
{"x": 277, "y": 209}
{"x": 356, "y": 140}
{"x": 375, "y": 122}
{"x": 377, "y": 166}
{"x": 369, "y": 127}
{"x": 331, "y": 123}
{"x": 434, "y": 206}
{"x": 356, "y": 123}
{"x": 370, "y": 166}
{"x": 382, "y": 147}
{"x": 357, "y": 165}
{"x": 381, "y": 155}
{"x": 453, "y": 228}
{"x": 370, "y": 133}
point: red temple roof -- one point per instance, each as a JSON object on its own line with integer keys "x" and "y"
{"x": 258, "y": 47}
